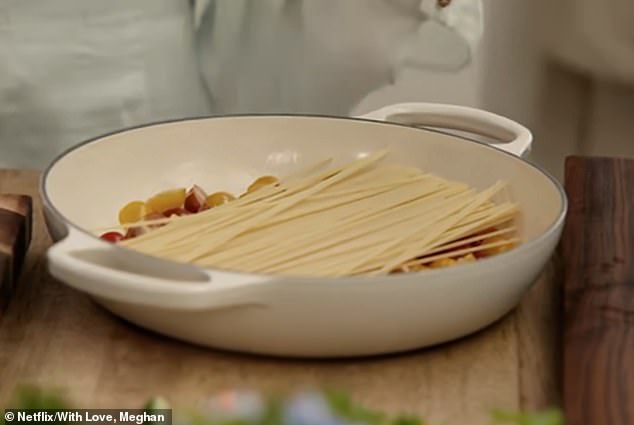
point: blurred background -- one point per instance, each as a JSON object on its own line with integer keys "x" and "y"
{"x": 75, "y": 69}
{"x": 563, "y": 68}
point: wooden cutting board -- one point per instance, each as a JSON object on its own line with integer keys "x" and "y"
{"x": 598, "y": 250}
{"x": 15, "y": 237}
{"x": 55, "y": 337}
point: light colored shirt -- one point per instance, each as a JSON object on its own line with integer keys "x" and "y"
{"x": 325, "y": 56}
{"x": 72, "y": 70}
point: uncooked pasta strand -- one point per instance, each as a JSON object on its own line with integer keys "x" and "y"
{"x": 482, "y": 197}
{"x": 190, "y": 229}
{"x": 461, "y": 252}
{"x": 466, "y": 241}
{"x": 358, "y": 218}
{"x": 422, "y": 249}
{"x": 339, "y": 233}
{"x": 366, "y": 236}
{"x": 227, "y": 235}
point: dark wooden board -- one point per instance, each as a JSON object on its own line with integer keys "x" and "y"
{"x": 15, "y": 237}
{"x": 598, "y": 250}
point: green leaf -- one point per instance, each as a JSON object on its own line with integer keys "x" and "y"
{"x": 408, "y": 420}
{"x": 343, "y": 406}
{"x": 157, "y": 403}
{"x": 29, "y": 397}
{"x": 547, "y": 417}
{"x": 273, "y": 411}
{"x": 154, "y": 406}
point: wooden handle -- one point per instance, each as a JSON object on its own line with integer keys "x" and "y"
{"x": 598, "y": 251}
{"x": 15, "y": 237}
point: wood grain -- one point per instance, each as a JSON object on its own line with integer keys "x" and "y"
{"x": 15, "y": 236}
{"x": 598, "y": 246}
{"x": 539, "y": 344}
{"x": 54, "y": 336}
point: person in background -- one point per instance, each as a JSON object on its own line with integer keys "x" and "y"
{"x": 76, "y": 69}
{"x": 325, "y": 56}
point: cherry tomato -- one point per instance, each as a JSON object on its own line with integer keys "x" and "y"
{"x": 174, "y": 211}
{"x": 133, "y": 212}
{"x": 261, "y": 182}
{"x": 167, "y": 200}
{"x": 113, "y": 237}
{"x": 195, "y": 200}
{"x": 219, "y": 198}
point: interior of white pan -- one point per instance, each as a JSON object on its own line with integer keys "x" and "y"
{"x": 91, "y": 183}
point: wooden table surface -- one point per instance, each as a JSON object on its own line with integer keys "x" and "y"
{"x": 53, "y": 336}
{"x": 598, "y": 338}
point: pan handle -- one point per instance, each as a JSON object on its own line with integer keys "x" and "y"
{"x": 90, "y": 265}
{"x": 513, "y": 137}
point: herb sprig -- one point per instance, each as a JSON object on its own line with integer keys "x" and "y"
{"x": 342, "y": 411}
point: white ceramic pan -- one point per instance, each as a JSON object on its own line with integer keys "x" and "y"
{"x": 84, "y": 188}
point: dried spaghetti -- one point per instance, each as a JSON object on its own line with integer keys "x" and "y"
{"x": 363, "y": 218}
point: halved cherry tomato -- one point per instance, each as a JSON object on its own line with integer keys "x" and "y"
{"x": 196, "y": 199}
{"x": 133, "y": 232}
{"x": 175, "y": 211}
{"x": 132, "y": 212}
{"x": 167, "y": 200}
{"x": 219, "y": 198}
{"x": 261, "y": 182}
{"x": 113, "y": 237}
